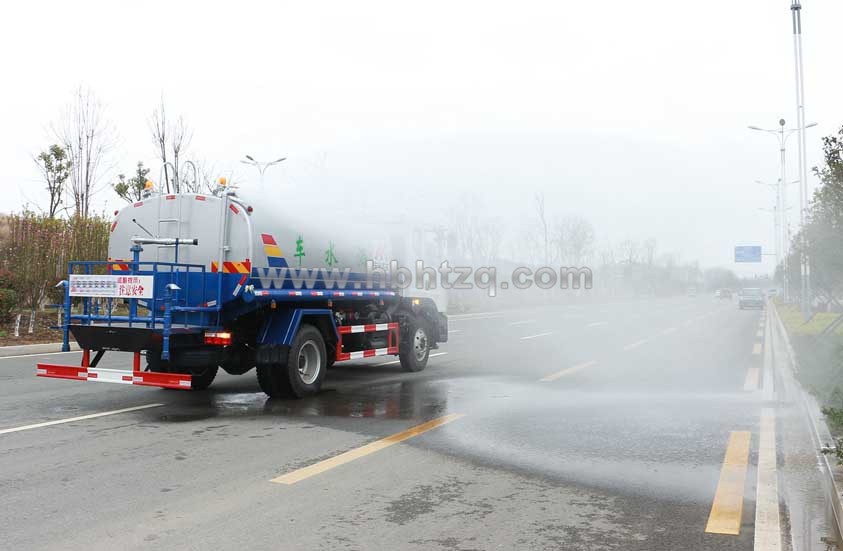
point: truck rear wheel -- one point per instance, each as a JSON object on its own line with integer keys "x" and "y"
{"x": 297, "y": 372}
{"x": 201, "y": 377}
{"x": 415, "y": 349}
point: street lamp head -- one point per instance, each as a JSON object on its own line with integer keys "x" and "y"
{"x": 250, "y": 158}
{"x": 279, "y": 160}
{"x": 754, "y": 127}
{"x": 813, "y": 124}
{"x": 781, "y": 122}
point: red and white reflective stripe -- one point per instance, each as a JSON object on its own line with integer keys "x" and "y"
{"x": 367, "y": 353}
{"x": 368, "y": 328}
{"x": 343, "y": 329}
{"x": 294, "y": 293}
{"x": 317, "y": 294}
{"x": 119, "y": 376}
{"x": 211, "y": 303}
{"x": 239, "y": 286}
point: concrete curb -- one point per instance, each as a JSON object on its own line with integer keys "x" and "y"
{"x": 27, "y": 349}
{"x": 819, "y": 428}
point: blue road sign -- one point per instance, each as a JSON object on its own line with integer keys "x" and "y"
{"x": 748, "y": 253}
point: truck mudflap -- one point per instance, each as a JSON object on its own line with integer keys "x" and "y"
{"x": 119, "y": 376}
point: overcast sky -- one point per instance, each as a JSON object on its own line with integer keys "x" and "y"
{"x": 632, "y": 114}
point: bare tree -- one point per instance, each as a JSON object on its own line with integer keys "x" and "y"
{"x": 55, "y": 168}
{"x": 580, "y": 239}
{"x": 170, "y": 140}
{"x": 543, "y": 226}
{"x": 87, "y": 138}
{"x": 650, "y": 247}
{"x": 629, "y": 252}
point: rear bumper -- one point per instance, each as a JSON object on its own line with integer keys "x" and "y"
{"x": 119, "y": 376}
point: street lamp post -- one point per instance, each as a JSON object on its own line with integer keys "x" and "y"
{"x": 261, "y": 166}
{"x": 776, "y": 233}
{"x": 782, "y": 134}
{"x": 805, "y": 270}
{"x": 777, "y": 219}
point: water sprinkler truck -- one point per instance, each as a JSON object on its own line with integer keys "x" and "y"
{"x": 230, "y": 279}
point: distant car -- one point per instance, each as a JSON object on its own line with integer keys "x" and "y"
{"x": 750, "y": 297}
{"x": 717, "y": 293}
{"x": 725, "y": 293}
{"x": 772, "y": 292}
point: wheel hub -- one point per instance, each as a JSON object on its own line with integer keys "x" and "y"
{"x": 420, "y": 344}
{"x": 309, "y": 362}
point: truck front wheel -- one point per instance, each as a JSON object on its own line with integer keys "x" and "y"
{"x": 415, "y": 348}
{"x": 299, "y": 372}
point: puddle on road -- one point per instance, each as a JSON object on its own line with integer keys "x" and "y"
{"x": 399, "y": 400}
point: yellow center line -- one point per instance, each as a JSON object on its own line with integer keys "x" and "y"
{"x": 726, "y": 511}
{"x": 567, "y": 371}
{"x": 343, "y": 458}
{"x": 756, "y": 349}
{"x": 752, "y": 378}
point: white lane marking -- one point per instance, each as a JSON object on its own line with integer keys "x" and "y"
{"x": 767, "y": 385}
{"x": 536, "y": 336}
{"x": 393, "y": 362}
{"x": 597, "y": 323}
{"x": 767, "y": 529}
{"x": 80, "y": 418}
{"x": 477, "y": 316}
{"x": 669, "y": 330}
{"x": 567, "y": 371}
{"x": 753, "y": 375}
{"x": 522, "y": 322}
{"x": 757, "y": 348}
{"x": 636, "y": 344}
{"x": 39, "y": 354}
{"x": 454, "y": 331}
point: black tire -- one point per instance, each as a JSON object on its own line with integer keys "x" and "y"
{"x": 415, "y": 347}
{"x": 296, "y": 372}
{"x": 200, "y": 377}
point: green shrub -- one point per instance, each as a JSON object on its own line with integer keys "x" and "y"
{"x": 8, "y": 304}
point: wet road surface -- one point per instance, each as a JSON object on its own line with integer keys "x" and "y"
{"x": 632, "y": 425}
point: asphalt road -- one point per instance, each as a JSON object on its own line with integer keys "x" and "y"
{"x": 589, "y": 427}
